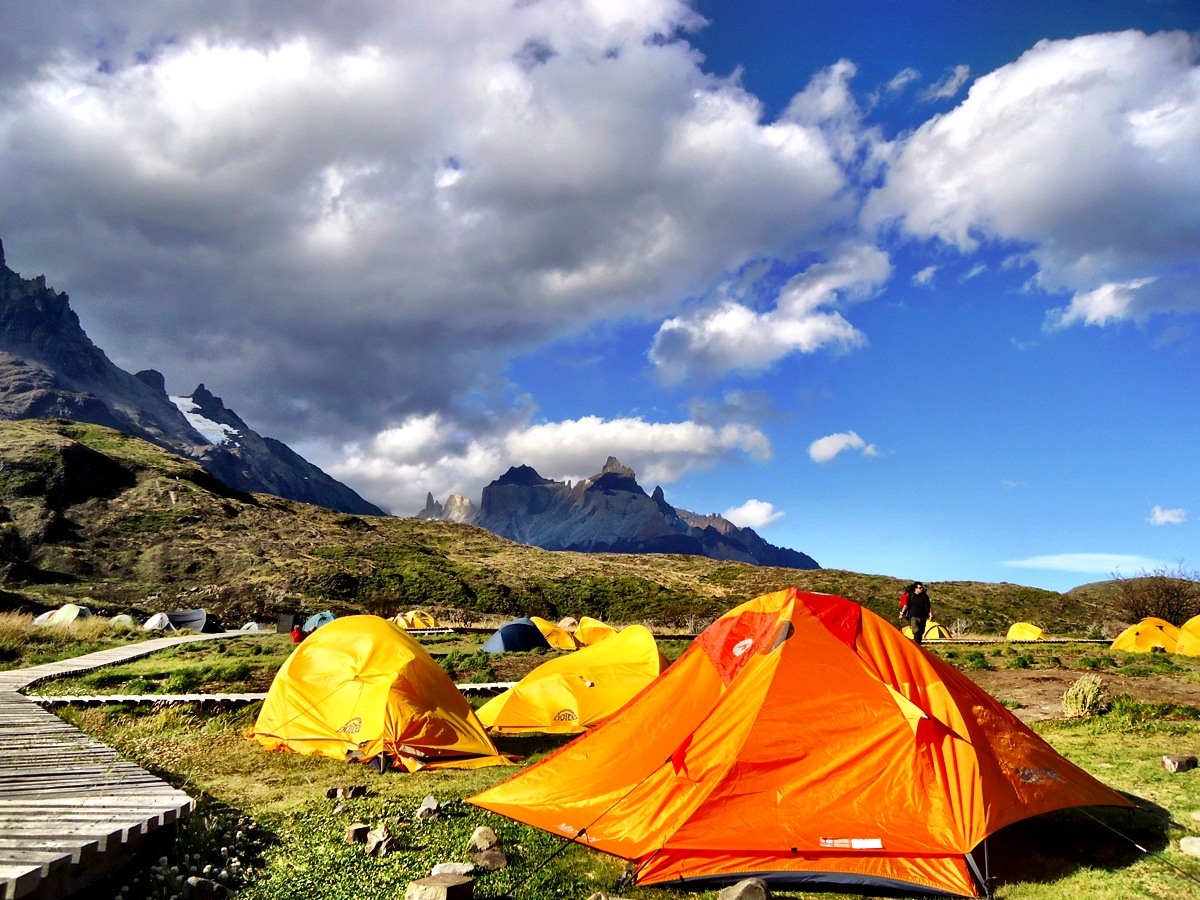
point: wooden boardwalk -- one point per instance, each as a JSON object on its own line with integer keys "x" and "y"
{"x": 72, "y": 811}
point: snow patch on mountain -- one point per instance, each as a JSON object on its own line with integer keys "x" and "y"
{"x": 216, "y": 433}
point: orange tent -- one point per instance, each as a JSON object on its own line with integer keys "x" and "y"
{"x": 359, "y": 688}
{"x": 801, "y": 739}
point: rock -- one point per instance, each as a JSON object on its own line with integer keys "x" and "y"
{"x": 749, "y": 889}
{"x": 342, "y": 793}
{"x": 339, "y": 809}
{"x": 483, "y": 838}
{"x": 453, "y": 868}
{"x": 197, "y": 888}
{"x": 1196, "y": 816}
{"x": 1190, "y": 846}
{"x": 491, "y": 860}
{"x": 599, "y": 895}
{"x": 357, "y": 833}
{"x": 441, "y": 887}
{"x": 380, "y": 842}
{"x": 429, "y": 809}
{"x": 1179, "y": 763}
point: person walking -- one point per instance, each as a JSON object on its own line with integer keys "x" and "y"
{"x": 918, "y": 611}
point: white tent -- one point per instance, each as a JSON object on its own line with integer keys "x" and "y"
{"x": 159, "y": 622}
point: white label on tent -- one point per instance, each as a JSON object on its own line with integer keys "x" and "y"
{"x": 740, "y": 648}
{"x": 852, "y": 843}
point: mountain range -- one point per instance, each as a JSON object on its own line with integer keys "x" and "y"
{"x": 606, "y": 513}
{"x": 49, "y": 368}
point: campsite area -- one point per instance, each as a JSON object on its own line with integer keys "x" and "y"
{"x": 267, "y": 826}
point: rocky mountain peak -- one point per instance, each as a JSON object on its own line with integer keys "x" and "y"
{"x": 524, "y": 476}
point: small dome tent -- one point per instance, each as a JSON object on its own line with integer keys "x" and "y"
{"x": 312, "y": 623}
{"x": 359, "y": 688}
{"x": 933, "y": 632}
{"x": 568, "y": 623}
{"x": 1148, "y": 636}
{"x": 903, "y": 767}
{"x": 517, "y": 634}
{"x": 43, "y": 618}
{"x": 1023, "y": 631}
{"x": 122, "y": 621}
{"x": 593, "y": 631}
{"x": 67, "y": 613}
{"x": 158, "y": 622}
{"x": 569, "y": 694}
{"x": 1189, "y": 638}
{"x": 415, "y": 618}
{"x": 558, "y": 638}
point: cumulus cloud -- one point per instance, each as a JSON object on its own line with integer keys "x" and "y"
{"x": 1083, "y": 151}
{"x": 730, "y": 335}
{"x": 345, "y": 218}
{"x": 753, "y": 514}
{"x": 948, "y": 86}
{"x": 433, "y": 453}
{"x": 1160, "y": 516}
{"x": 822, "y": 450}
{"x": 1088, "y": 563}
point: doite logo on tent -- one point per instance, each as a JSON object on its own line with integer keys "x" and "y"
{"x": 354, "y": 726}
{"x": 565, "y": 715}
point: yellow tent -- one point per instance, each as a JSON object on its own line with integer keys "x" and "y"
{"x": 1147, "y": 634}
{"x": 558, "y": 638}
{"x": 592, "y": 631}
{"x": 1189, "y": 638}
{"x": 1023, "y": 631}
{"x": 358, "y": 688}
{"x": 415, "y": 618}
{"x": 570, "y": 694}
{"x": 933, "y": 631}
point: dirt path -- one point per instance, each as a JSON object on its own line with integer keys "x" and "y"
{"x": 1040, "y": 691}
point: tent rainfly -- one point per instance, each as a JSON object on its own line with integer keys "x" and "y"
{"x": 517, "y": 634}
{"x": 1151, "y": 635}
{"x": 569, "y": 694}
{"x": 312, "y": 623}
{"x": 558, "y": 638}
{"x": 361, "y": 689}
{"x": 158, "y": 622}
{"x": 592, "y": 631}
{"x": 65, "y": 614}
{"x": 1023, "y": 631}
{"x": 1189, "y": 638}
{"x": 122, "y": 621}
{"x": 416, "y": 618}
{"x": 933, "y": 632}
{"x": 903, "y": 766}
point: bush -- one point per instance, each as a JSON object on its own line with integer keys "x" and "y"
{"x": 1021, "y": 661}
{"x": 976, "y": 660}
{"x": 1171, "y": 594}
{"x": 1086, "y": 697}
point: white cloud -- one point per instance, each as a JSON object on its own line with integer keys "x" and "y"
{"x": 976, "y": 270}
{"x": 902, "y": 79}
{"x": 1160, "y": 516}
{"x": 359, "y": 216}
{"x": 925, "y": 276}
{"x": 431, "y": 453}
{"x": 1083, "y": 151}
{"x": 824, "y": 449}
{"x": 948, "y": 86}
{"x": 753, "y": 514}
{"x": 731, "y": 336}
{"x": 1089, "y": 563}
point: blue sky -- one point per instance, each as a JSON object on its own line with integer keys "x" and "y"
{"x": 910, "y": 287}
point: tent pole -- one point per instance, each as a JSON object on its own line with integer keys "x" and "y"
{"x": 982, "y": 877}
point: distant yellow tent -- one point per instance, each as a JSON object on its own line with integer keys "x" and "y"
{"x": 1189, "y": 638}
{"x": 415, "y": 618}
{"x": 933, "y": 631}
{"x": 592, "y": 631}
{"x": 1023, "y": 631}
{"x": 360, "y": 687}
{"x": 558, "y": 638}
{"x": 569, "y": 694}
{"x": 1147, "y": 634}
{"x": 66, "y": 614}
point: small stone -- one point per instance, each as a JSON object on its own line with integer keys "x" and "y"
{"x": 749, "y": 889}
{"x": 357, "y": 833}
{"x": 429, "y": 809}
{"x": 599, "y": 895}
{"x": 492, "y": 860}
{"x": 1196, "y": 816}
{"x": 339, "y": 809}
{"x": 1179, "y": 763}
{"x": 380, "y": 842}
{"x": 483, "y": 838}
{"x": 441, "y": 887}
{"x": 453, "y": 868}
{"x": 342, "y": 793}
{"x": 1190, "y": 846}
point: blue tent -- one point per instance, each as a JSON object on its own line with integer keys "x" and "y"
{"x": 519, "y": 634}
{"x": 312, "y": 623}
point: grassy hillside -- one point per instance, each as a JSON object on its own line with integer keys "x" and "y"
{"x": 89, "y": 514}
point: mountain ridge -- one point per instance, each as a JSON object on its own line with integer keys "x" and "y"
{"x": 51, "y": 369}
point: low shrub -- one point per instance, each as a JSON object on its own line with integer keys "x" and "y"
{"x": 1086, "y": 697}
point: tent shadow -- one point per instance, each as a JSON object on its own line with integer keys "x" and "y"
{"x": 533, "y": 745}
{"x": 1050, "y": 847}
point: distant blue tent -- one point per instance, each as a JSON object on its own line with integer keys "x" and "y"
{"x": 312, "y": 623}
{"x": 519, "y": 634}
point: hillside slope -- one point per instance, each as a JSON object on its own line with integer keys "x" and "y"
{"x": 87, "y": 512}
